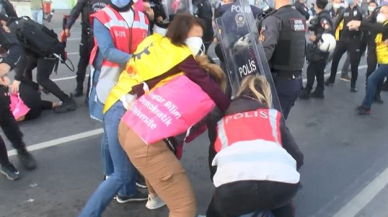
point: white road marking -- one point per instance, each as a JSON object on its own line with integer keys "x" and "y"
{"x": 59, "y": 141}
{"x": 74, "y": 39}
{"x": 73, "y": 53}
{"x": 362, "y": 199}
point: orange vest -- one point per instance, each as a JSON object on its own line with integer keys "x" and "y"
{"x": 261, "y": 124}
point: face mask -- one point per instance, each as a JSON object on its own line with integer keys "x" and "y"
{"x": 120, "y": 3}
{"x": 336, "y": 6}
{"x": 350, "y": 2}
{"x": 195, "y": 44}
{"x": 371, "y": 9}
{"x": 380, "y": 18}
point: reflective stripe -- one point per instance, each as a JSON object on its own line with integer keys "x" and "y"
{"x": 273, "y": 117}
{"x": 114, "y": 21}
{"x": 222, "y": 134}
{"x": 142, "y": 24}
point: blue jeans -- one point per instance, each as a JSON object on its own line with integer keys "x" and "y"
{"x": 374, "y": 79}
{"x": 107, "y": 164}
{"x": 123, "y": 179}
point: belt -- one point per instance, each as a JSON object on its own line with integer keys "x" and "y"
{"x": 287, "y": 75}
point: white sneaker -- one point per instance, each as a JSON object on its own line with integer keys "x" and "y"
{"x": 154, "y": 203}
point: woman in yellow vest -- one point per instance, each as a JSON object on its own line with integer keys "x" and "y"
{"x": 377, "y": 77}
{"x": 157, "y": 61}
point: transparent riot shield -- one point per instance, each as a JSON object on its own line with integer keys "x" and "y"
{"x": 243, "y": 54}
{"x": 173, "y": 7}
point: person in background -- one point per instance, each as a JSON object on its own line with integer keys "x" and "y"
{"x": 302, "y": 8}
{"x": 349, "y": 41}
{"x": 15, "y": 56}
{"x": 37, "y": 11}
{"x": 85, "y": 8}
{"x": 205, "y": 12}
{"x": 382, "y": 57}
{"x": 7, "y": 8}
{"x": 312, "y": 9}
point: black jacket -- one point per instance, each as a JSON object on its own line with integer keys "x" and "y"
{"x": 302, "y": 9}
{"x": 86, "y": 7}
{"x": 15, "y": 53}
{"x": 243, "y": 105}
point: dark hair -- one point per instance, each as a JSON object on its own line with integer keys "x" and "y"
{"x": 373, "y": 2}
{"x": 180, "y": 27}
{"x": 321, "y": 4}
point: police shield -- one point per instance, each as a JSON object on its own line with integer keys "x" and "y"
{"x": 173, "y": 7}
{"x": 243, "y": 54}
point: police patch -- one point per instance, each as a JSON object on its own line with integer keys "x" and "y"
{"x": 298, "y": 25}
{"x": 240, "y": 19}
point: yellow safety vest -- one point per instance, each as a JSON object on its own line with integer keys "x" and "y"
{"x": 381, "y": 48}
{"x": 338, "y": 30}
{"x": 154, "y": 56}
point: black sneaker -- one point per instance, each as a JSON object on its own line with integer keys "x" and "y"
{"x": 305, "y": 94}
{"x": 140, "y": 182}
{"x": 78, "y": 92}
{"x": 353, "y": 89}
{"x": 67, "y": 106}
{"x": 27, "y": 160}
{"x": 10, "y": 172}
{"x": 329, "y": 83}
{"x": 345, "y": 78}
{"x": 139, "y": 196}
{"x": 318, "y": 94}
{"x": 363, "y": 111}
{"x": 378, "y": 100}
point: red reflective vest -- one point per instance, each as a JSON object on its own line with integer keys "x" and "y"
{"x": 261, "y": 124}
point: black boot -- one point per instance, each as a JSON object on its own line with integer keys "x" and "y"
{"x": 26, "y": 159}
{"x": 377, "y": 98}
{"x": 67, "y": 105}
{"x": 317, "y": 93}
{"x": 78, "y": 92}
{"x": 305, "y": 94}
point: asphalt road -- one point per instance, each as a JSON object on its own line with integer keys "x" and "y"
{"x": 344, "y": 172}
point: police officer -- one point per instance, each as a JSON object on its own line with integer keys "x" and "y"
{"x": 350, "y": 40}
{"x": 8, "y": 8}
{"x": 302, "y": 8}
{"x": 86, "y": 7}
{"x": 15, "y": 56}
{"x": 283, "y": 37}
{"x": 319, "y": 25}
{"x": 205, "y": 12}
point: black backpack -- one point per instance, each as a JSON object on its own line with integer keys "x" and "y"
{"x": 36, "y": 38}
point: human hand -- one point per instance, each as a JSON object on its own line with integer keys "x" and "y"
{"x": 15, "y": 86}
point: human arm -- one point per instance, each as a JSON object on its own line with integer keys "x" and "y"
{"x": 15, "y": 54}
{"x": 9, "y": 9}
{"x": 290, "y": 145}
{"x": 212, "y": 120}
{"x": 75, "y": 12}
{"x": 303, "y": 10}
{"x": 270, "y": 30}
{"x": 338, "y": 19}
{"x": 106, "y": 45}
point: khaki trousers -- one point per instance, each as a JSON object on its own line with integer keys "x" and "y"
{"x": 164, "y": 174}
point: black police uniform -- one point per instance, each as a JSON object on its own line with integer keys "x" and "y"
{"x": 302, "y": 9}
{"x": 350, "y": 40}
{"x": 86, "y": 7}
{"x": 15, "y": 56}
{"x": 316, "y": 68}
{"x": 157, "y": 7}
{"x": 205, "y": 12}
{"x": 283, "y": 37}
{"x": 8, "y": 8}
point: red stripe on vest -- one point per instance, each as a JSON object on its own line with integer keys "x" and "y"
{"x": 248, "y": 126}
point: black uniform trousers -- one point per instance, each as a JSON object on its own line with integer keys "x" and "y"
{"x": 85, "y": 48}
{"x": 44, "y": 67}
{"x": 9, "y": 126}
{"x": 353, "y": 46}
{"x": 244, "y": 197}
{"x": 316, "y": 69}
{"x": 288, "y": 90}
